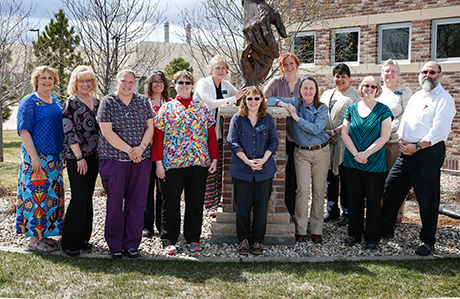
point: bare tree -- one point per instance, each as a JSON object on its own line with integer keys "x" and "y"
{"x": 216, "y": 27}
{"x": 112, "y": 33}
{"x": 15, "y": 55}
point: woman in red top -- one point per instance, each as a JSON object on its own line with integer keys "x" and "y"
{"x": 156, "y": 89}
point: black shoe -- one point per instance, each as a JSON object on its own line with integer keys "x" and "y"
{"x": 147, "y": 233}
{"x": 350, "y": 241}
{"x": 330, "y": 217}
{"x": 117, "y": 255}
{"x": 371, "y": 246}
{"x": 425, "y": 249}
{"x": 343, "y": 220}
{"x": 132, "y": 253}
{"x": 87, "y": 247}
{"x": 71, "y": 252}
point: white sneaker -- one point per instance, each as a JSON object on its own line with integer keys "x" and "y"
{"x": 170, "y": 250}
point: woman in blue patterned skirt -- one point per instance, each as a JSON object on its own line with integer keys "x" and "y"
{"x": 366, "y": 129}
{"x": 40, "y": 207}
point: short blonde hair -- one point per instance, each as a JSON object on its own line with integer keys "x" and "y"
{"x": 185, "y": 74}
{"x": 79, "y": 72}
{"x": 214, "y": 61}
{"x": 370, "y": 79}
{"x": 38, "y": 71}
{"x": 243, "y": 109}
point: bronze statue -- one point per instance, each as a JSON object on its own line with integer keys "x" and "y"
{"x": 257, "y": 58}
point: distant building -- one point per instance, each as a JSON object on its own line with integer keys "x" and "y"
{"x": 363, "y": 34}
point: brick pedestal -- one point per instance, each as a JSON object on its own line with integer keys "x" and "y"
{"x": 280, "y": 228}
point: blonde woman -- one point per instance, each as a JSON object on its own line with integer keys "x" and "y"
{"x": 40, "y": 207}
{"x": 81, "y": 137}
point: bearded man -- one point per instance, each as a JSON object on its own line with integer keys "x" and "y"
{"x": 424, "y": 128}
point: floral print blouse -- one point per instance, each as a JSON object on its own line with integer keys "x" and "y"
{"x": 80, "y": 126}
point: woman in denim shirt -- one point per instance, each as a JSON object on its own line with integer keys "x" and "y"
{"x": 253, "y": 140}
{"x": 311, "y": 156}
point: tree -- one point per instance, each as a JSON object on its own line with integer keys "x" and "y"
{"x": 15, "y": 55}
{"x": 57, "y": 46}
{"x": 217, "y": 27}
{"x": 113, "y": 32}
{"x": 177, "y": 64}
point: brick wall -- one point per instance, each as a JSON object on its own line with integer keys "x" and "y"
{"x": 420, "y": 53}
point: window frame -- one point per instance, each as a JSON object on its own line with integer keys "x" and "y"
{"x": 300, "y": 34}
{"x": 345, "y": 30}
{"x": 434, "y": 38}
{"x": 380, "y": 41}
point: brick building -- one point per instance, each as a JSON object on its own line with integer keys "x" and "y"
{"x": 363, "y": 34}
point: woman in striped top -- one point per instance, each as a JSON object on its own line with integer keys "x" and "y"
{"x": 366, "y": 129}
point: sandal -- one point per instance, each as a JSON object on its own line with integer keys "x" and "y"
{"x": 41, "y": 247}
{"x": 50, "y": 242}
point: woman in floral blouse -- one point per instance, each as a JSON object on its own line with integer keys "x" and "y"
{"x": 81, "y": 136}
{"x": 184, "y": 150}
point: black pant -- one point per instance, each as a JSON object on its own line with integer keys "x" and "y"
{"x": 154, "y": 203}
{"x": 193, "y": 181}
{"x": 251, "y": 196}
{"x": 368, "y": 187}
{"x": 78, "y": 224}
{"x": 333, "y": 184}
{"x": 291, "y": 179}
{"x": 422, "y": 171}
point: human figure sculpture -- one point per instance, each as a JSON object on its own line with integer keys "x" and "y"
{"x": 262, "y": 49}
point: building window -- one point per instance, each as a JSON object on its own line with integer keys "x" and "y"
{"x": 446, "y": 40}
{"x": 394, "y": 42}
{"x": 345, "y": 44}
{"x": 304, "y": 47}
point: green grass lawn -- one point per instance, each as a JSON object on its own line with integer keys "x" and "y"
{"x": 49, "y": 276}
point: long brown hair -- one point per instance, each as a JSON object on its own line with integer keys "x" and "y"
{"x": 243, "y": 110}
{"x": 148, "y": 89}
{"x": 316, "y": 102}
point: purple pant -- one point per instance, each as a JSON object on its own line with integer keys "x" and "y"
{"x": 124, "y": 219}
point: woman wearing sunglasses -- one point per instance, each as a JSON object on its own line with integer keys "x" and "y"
{"x": 184, "y": 150}
{"x": 311, "y": 156}
{"x": 366, "y": 129}
{"x": 253, "y": 141}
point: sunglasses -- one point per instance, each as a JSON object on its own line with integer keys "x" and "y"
{"x": 371, "y": 86}
{"x": 255, "y": 99}
{"x": 184, "y": 82}
{"x": 429, "y": 72}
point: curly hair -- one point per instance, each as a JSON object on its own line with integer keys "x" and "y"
{"x": 82, "y": 71}
{"x": 38, "y": 71}
{"x": 148, "y": 89}
{"x": 243, "y": 109}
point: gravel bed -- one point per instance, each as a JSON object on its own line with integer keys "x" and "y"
{"x": 405, "y": 242}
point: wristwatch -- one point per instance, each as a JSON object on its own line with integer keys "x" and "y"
{"x": 417, "y": 147}
{"x": 333, "y": 133}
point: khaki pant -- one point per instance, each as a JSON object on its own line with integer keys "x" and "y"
{"x": 310, "y": 165}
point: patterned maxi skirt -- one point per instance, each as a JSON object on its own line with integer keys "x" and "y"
{"x": 40, "y": 209}
{"x": 213, "y": 192}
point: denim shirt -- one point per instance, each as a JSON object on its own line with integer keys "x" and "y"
{"x": 253, "y": 141}
{"x": 311, "y": 128}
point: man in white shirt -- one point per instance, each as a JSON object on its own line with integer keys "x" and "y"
{"x": 424, "y": 128}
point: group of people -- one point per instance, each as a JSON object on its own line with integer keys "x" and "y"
{"x": 149, "y": 149}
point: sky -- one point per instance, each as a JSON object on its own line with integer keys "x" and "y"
{"x": 45, "y": 10}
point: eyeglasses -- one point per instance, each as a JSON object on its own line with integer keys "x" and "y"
{"x": 255, "y": 99}
{"x": 85, "y": 81}
{"x": 429, "y": 72}
{"x": 158, "y": 82}
{"x": 371, "y": 86}
{"x": 184, "y": 82}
